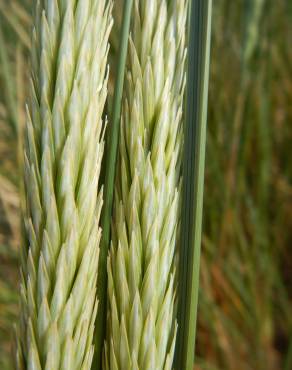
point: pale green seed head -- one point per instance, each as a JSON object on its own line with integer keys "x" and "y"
{"x": 141, "y": 265}
{"x": 63, "y": 151}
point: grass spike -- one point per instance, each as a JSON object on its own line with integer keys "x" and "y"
{"x": 62, "y": 157}
{"x": 141, "y": 263}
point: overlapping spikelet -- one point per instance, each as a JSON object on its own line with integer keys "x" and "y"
{"x": 141, "y": 265}
{"x": 64, "y": 147}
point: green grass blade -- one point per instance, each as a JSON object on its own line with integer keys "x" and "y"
{"x": 111, "y": 156}
{"x": 193, "y": 180}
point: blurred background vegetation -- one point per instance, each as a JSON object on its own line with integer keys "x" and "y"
{"x": 245, "y": 307}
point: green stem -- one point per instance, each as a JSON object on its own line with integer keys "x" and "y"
{"x": 193, "y": 180}
{"x": 111, "y": 156}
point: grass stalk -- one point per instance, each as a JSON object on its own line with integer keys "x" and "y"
{"x": 193, "y": 180}
{"x": 110, "y": 158}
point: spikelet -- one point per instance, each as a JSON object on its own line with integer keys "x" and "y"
{"x": 141, "y": 264}
{"x": 63, "y": 152}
